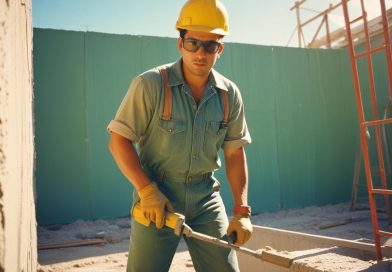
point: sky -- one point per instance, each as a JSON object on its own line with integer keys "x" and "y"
{"x": 264, "y": 22}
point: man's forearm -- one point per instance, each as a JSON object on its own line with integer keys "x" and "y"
{"x": 237, "y": 174}
{"x": 127, "y": 160}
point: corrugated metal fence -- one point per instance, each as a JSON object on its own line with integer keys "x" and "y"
{"x": 299, "y": 104}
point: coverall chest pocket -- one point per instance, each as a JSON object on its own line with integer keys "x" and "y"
{"x": 214, "y": 137}
{"x": 171, "y": 136}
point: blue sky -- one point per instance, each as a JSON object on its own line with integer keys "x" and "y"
{"x": 266, "y": 22}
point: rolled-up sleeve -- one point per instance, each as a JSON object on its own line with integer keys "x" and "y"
{"x": 134, "y": 113}
{"x": 237, "y": 132}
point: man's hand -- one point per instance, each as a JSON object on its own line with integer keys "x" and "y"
{"x": 240, "y": 224}
{"x": 153, "y": 204}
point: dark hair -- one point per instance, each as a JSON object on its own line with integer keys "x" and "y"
{"x": 182, "y": 33}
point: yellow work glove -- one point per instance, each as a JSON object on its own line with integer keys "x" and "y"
{"x": 240, "y": 223}
{"x": 153, "y": 204}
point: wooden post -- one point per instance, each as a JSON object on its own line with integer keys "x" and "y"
{"x": 299, "y": 28}
{"x": 327, "y": 30}
{"x": 327, "y": 26}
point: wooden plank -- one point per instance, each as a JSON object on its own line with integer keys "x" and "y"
{"x": 297, "y": 4}
{"x": 374, "y": 26}
{"x": 334, "y": 224}
{"x": 321, "y": 14}
{"x": 72, "y": 244}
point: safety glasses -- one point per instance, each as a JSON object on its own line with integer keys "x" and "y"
{"x": 192, "y": 45}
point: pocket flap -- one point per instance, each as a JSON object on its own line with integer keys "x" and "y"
{"x": 172, "y": 127}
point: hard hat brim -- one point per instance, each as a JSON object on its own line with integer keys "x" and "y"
{"x": 198, "y": 28}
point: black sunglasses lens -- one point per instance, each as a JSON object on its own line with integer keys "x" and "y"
{"x": 211, "y": 46}
{"x": 191, "y": 45}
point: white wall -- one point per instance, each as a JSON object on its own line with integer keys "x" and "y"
{"x": 17, "y": 208}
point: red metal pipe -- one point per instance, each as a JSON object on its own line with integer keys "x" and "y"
{"x": 387, "y": 41}
{"x": 364, "y": 146}
{"x": 378, "y": 122}
{"x": 380, "y": 156}
{"x": 372, "y": 51}
{"x": 380, "y": 191}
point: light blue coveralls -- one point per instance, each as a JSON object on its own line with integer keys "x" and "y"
{"x": 180, "y": 155}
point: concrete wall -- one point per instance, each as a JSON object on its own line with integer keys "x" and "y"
{"x": 17, "y": 208}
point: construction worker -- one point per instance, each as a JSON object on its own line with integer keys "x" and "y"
{"x": 178, "y": 125}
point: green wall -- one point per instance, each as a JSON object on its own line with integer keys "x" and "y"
{"x": 62, "y": 177}
{"x": 300, "y": 108}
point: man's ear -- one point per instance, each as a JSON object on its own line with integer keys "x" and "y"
{"x": 221, "y": 49}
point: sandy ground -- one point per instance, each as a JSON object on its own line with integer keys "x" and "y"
{"x": 112, "y": 256}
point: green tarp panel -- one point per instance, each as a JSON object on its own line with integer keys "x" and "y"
{"x": 62, "y": 178}
{"x": 300, "y": 108}
{"x": 110, "y": 63}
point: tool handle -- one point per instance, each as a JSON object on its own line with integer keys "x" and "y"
{"x": 171, "y": 219}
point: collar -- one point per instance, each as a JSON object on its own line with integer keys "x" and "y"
{"x": 176, "y": 78}
{"x": 217, "y": 80}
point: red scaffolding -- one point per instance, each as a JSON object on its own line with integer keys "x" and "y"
{"x": 376, "y": 122}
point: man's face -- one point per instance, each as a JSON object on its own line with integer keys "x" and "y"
{"x": 199, "y": 62}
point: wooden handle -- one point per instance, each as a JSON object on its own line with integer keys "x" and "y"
{"x": 172, "y": 220}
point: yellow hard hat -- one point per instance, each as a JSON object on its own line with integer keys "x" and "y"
{"x": 204, "y": 16}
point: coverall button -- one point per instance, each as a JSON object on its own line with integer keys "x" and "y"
{"x": 170, "y": 130}
{"x": 193, "y": 156}
{"x": 189, "y": 178}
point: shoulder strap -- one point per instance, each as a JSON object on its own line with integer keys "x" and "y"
{"x": 167, "y": 107}
{"x": 225, "y": 100}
